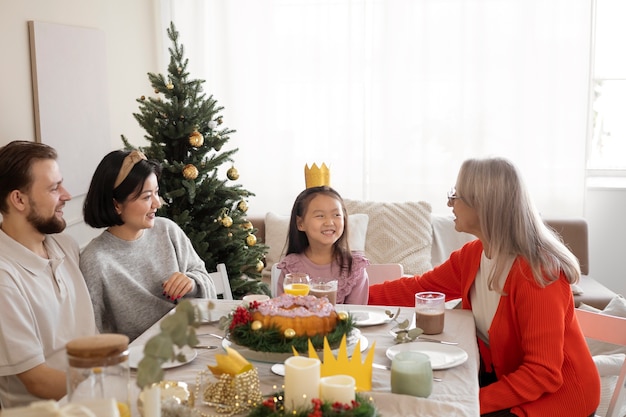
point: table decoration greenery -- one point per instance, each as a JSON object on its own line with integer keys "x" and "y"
{"x": 177, "y": 329}
{"x": 244, "y": 331}
{"x": 274, "y": 407}
{"x": 401, "y": 331}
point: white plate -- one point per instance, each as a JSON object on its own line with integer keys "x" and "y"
{"x": 441, "y": 356}
{"x": 273, "y": 357}
{"x": 366, "y": 316}
{"x": 135, "y": 354}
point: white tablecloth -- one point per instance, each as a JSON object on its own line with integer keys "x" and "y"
{"x": 456, "y": 395}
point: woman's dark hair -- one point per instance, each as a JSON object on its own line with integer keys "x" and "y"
{"x": 99, "y": 209}
{"x": 297, "y": 240}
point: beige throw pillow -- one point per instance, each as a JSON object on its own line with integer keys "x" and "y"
{"x": 277, "y": 228}
{"x": 397, "y": 233}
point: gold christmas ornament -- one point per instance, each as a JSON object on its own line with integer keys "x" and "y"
{"x": 242, "y": 206}
{"x": 256, "y": 325}
{"x": 190, "y": 172}
{"x": 251, "y": 240}
{"x": 230, "y": 234}
{"x": 246, "y": 226}
{"x": 232, "y": 174}
{"x": 196, "y": 139}
{"x": 219, "y": 120}
{"x": 170, "y": 86}
{"x": 156, "y": 90}
{"x": 342, "y": 315}
{"x": 289, "y": 333}
{"x": 259, "y": 266}
{"x": 227, "y": 221}
{"x": 143, "y": 98}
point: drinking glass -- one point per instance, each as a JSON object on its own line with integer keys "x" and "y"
{"x": 324, "y": 287}
{"x": 411, "y": 374}
{"x": 430, "y": 311}
{"x": 297, "y": 283}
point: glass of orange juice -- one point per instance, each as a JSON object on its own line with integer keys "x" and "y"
{"x": 297, "y": 283}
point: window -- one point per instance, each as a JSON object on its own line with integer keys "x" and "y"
{"x": 607, "y": 148}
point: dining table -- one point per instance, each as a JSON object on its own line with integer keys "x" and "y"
{"x": 454, "y": 391}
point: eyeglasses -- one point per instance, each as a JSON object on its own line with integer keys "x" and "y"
{"x": 452, "y": 196}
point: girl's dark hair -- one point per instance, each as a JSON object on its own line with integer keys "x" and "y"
{"x": 297, "y": 240}
{"x": 98, "y": 209}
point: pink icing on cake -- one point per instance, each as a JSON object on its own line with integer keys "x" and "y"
{"x": 288, "y": 305}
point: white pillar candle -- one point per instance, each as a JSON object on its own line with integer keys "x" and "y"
{"x": 302, "y": 382}
{"x": 337, "y": 388}
{"x": 152, "y": 401}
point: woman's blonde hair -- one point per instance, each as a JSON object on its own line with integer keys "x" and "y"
{"x": 510, "y": 223}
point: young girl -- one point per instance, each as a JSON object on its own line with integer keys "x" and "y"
{"x": 139, "y": 267}
{"x": 318, "y": 245}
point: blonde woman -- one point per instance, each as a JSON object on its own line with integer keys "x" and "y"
{"x": 516, "y": 280}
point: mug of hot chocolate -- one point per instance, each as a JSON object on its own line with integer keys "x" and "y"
{"x": 429, "y": 311}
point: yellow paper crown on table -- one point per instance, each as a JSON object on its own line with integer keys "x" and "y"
{"x": 316, "y": 176}
{"x": 342, "y": 365}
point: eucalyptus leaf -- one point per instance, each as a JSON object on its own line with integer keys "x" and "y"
{"x": 414, "y": 333}
{"x": 188, "y": 309}
{"x": 159, "y": 346}
{"x": 149, "y": 371}
{"x": 404, "y": 324}
{"x": 176, "y": 326}
{"x": 192, "y": 339}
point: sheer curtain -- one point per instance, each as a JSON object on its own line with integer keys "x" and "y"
{"x": 394, "y": 95}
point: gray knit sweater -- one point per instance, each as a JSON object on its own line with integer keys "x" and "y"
{"x": 125, "y": 277}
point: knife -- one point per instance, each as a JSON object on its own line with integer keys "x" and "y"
{"x": 428, "y": 339}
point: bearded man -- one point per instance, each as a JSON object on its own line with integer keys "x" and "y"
{"x": 45, "y": 302}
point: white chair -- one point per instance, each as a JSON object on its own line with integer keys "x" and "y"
{"x": 610, "y": 329}
{"x": 274, "y": 280}
{"x": 221, "y": 282}
{"x": 378, "y": 273}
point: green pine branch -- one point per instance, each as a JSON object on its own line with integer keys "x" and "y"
{"x": 185, "y": 132}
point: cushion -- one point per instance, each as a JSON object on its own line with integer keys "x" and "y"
{"x": 446, "y": 239}
{"x": 616, "y": 307}
{"x": 397, "y": 233}
{"x": 277, "y": 228}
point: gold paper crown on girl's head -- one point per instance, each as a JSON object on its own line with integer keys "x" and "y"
{"x": 316, "y": 177}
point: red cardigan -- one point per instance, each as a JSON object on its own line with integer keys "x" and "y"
{"x": 537, "y": 349}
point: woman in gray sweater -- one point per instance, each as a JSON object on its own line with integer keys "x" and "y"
{"x": 141, "y": 265}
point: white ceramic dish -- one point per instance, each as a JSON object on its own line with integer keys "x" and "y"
{"x": 441, "y": 356}
{"x": 135, "y": 354}
{"x": 272, "y": 357}
{"x": 366, "y": 316}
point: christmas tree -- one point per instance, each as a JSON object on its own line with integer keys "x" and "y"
{"x": 186, "y": 134}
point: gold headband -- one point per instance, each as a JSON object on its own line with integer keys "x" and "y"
{"x": 128, "y": 164}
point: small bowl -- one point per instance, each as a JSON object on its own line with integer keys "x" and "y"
{"x": 255, "y": 297}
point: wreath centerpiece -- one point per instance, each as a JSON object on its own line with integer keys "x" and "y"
{"x": 243, "y": 330}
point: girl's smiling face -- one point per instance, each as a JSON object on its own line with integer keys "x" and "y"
{"x": 323, "y": 221}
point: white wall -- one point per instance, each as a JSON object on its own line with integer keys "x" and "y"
{"x": 131, "y": 31}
